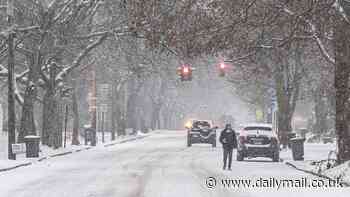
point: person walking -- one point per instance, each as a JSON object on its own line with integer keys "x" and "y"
{"x": 229, "y": 142}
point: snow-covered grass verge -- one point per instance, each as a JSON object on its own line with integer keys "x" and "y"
{"x": 342, "y": 172}
{"x": 47, "y": 152}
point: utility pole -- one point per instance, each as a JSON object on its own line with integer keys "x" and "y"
{"x": 11, "y": 95}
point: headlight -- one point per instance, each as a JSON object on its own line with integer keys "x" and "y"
{"x": 188, "y": 124}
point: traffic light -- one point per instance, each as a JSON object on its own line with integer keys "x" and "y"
{"x": 222, "y": 70}
{"x": 185, "y": 72}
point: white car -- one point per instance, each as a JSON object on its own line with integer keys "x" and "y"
{"x": 258, "y": 140}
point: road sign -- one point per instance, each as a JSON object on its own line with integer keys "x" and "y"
{"x": 18, "y": 148}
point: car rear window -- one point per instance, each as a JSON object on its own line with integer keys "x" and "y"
{"x": 258, "y": 128}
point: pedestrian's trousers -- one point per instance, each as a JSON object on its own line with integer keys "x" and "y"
{"x": 228, "y": 156}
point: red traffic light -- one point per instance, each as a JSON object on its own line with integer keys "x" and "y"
{"x": 185, "y": 72}
{"x": 222, "y": 66}
{"x": 222, "y": 69}
{"x": 186, "y": 69}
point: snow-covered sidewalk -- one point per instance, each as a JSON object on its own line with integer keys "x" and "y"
{"x": 317, "y": 157}
{"x": 46, "y": 152}
{"x": 312, "y": 153}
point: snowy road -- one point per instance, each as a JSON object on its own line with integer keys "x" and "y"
{"x": 157, "y": 166}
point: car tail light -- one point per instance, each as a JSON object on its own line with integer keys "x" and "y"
{"x": 242, "y": 139}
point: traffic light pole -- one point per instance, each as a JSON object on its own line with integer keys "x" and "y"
{"x": 11, "y": 95}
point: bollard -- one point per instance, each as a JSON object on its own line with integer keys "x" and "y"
{"x": 32, "y": 145}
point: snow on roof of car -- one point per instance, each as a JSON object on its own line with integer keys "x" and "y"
{"x": 202, "y": 120}
{"x": 257, "y": 125}
{"x": 208, "y": 121}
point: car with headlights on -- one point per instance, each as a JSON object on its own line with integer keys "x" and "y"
{"x": 201, "y": 131}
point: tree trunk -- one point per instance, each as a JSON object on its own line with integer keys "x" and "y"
{"x": 121, "y": 125}
{"x": 113, "y": 120}
{"x": 51, "y": 132}
{"x": 342, "y": 74}
{"x": 287, "y": 76}
{"x": 320, "y": 109}
{"x": 158, "y": 125}
{"x": 166, "y": 118}
{"x": 52, "y": 115}
{"x": 155, "y": 119}
{"x": 27, "y": 125}
{"x": 142, "y": 121}
{"x": 75, "y": 137}
{"x": 131, "y": 105}
{"x": 131, "y": 112}
{"x": 60, "y": 119}
{"x": 119, "y": 112}
{"x": 114, "y": 109}
{"x": 284, "y": 117}
{"x": 120, "y": 122}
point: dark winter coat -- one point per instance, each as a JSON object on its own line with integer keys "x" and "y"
{"x": 228, "y": 138}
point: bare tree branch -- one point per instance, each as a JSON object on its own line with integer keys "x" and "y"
{"x": 341, "y": 10}
{"x": 241, "y": 58}
{"x": 80, "y": 57}
{"x": 315, "y": 35}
